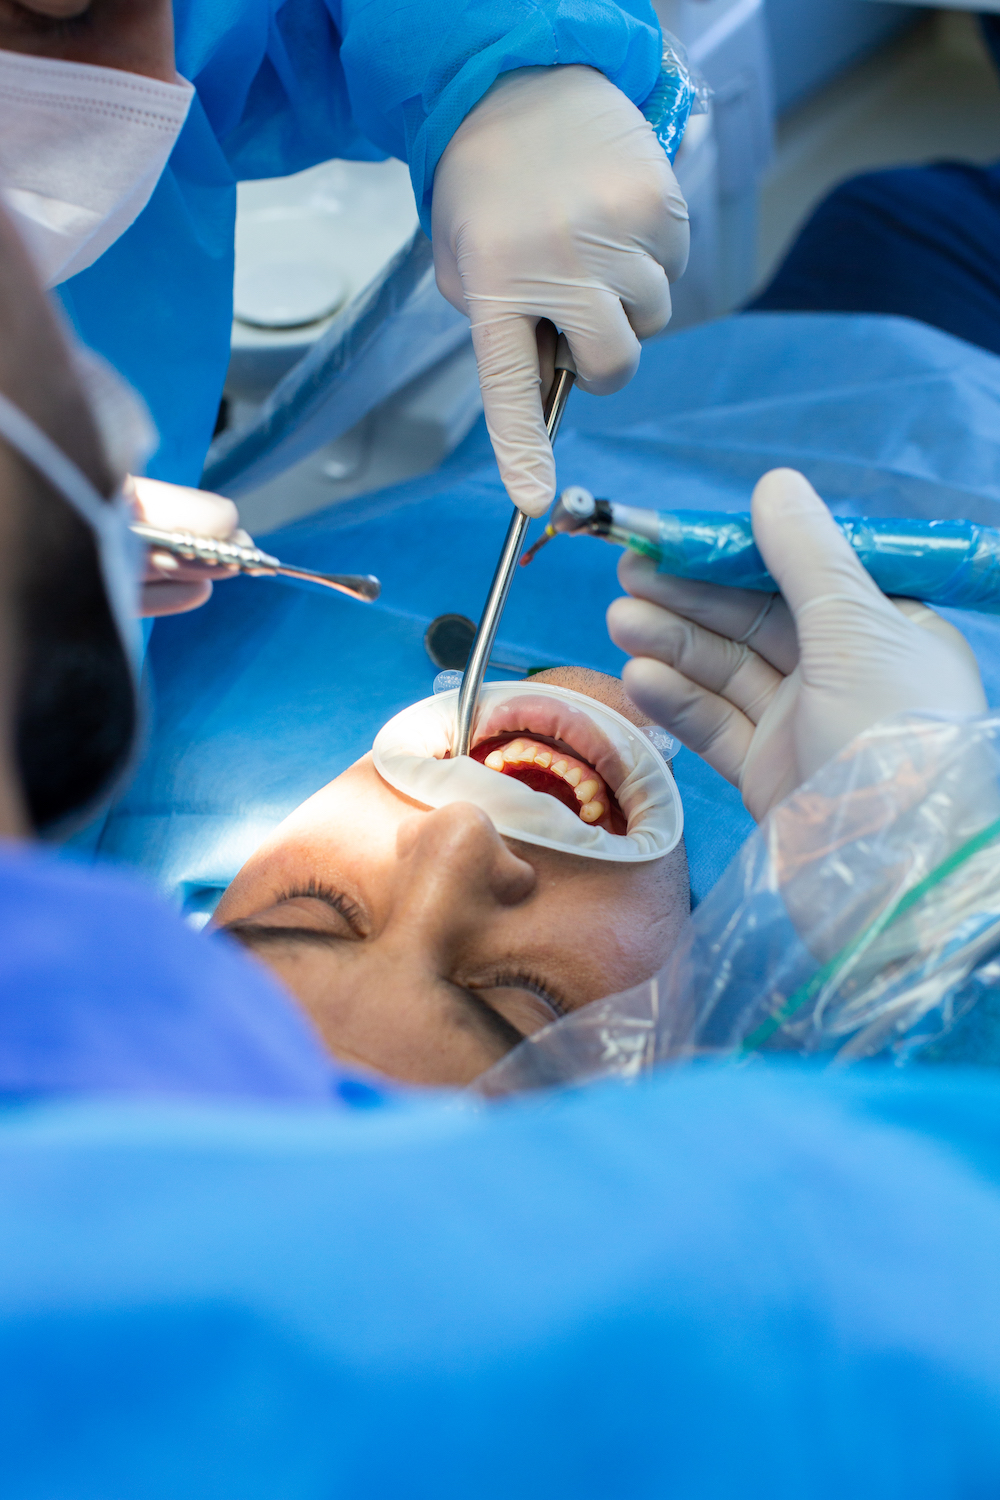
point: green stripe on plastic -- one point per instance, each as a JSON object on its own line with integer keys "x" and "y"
{"x": 808, "y": 991}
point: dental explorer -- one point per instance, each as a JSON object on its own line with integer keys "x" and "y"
{"x": 251, "y": 560}
{"x": 482, "y": 646}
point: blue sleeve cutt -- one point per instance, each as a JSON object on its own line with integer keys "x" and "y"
{"x": 414, "y": 72}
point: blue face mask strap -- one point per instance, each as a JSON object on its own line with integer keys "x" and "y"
{"x": 108, "y": 520}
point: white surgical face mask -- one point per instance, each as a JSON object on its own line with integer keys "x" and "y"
{"x": 409, "y": 753}
{"x": 118, "y": 551}
{"x": 81, "y": 150}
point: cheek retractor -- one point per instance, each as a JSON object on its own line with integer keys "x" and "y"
{"x": 415, "y": 753}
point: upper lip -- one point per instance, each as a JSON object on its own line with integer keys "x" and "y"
{"x": 543, "y": 718}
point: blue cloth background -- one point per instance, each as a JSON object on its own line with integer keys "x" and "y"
{"x": 282, "y": 85}
{"x": 269, "y": 691}
{"x": 765, "y": 1283}
{"x": 919, "y": 242}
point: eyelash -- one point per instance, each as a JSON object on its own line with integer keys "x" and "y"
{"x": 519, "y": 980}
{"x": 506, "y": 979}
{"x": 323, "y": 892}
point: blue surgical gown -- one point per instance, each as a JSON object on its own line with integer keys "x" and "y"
{"x": 282, "y": 85}
{"x": 770, "y": 1284}
{"x": 104, "y": 991}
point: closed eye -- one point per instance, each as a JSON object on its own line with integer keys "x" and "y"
{"x": 514, "y": 1004}
{"x": 252, "y": 930}
{"x": 317, "y": 890}
{"x": 519, "y": 980}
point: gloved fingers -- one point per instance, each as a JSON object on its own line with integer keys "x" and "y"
{"x": 177, "y": 507}
{"x": 645, "y": 295}
{"x": 173, "y": 585}
{"x": 602, "y": 341}
{"x": 921, "y": 614}
{"x": 507, "y": 356}
{"x": 762, "y": 621}
{"x": 927, "y": 618}
{"x": 714, "y": 663}
{"x": 673, "y": 243}
{"x": 447, "y": 274}
{"x": 546, "y": 340}
{"x": 805, "y": 551}
{"x": 705, "y": 723}
{"x": 164, "y": 567}
{"x": 166, "y": 597}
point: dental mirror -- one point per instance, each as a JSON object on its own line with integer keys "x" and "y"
{"x": 448, "y": 642}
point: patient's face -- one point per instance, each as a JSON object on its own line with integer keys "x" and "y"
{"x": 423, "y": 944}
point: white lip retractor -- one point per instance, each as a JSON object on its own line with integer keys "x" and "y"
{"x": 409, "y": 753}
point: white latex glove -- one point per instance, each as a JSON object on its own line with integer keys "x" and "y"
{"x": 554, "y": 200}
{"x": 768, "y": 698}
{"x": 172, "y": 586}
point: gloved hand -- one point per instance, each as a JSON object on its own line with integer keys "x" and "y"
{"x": 172, "y": 586}
{"x": 767, "y": 688}
{"x": 554, "y": 200}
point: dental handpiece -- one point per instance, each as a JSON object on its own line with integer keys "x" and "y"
{"x": 578, "y": 513}
{"x": 952, "y": 563}
{"x": 214, "y": 552}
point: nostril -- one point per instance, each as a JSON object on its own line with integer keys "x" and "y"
{"x": 457, "y": 847}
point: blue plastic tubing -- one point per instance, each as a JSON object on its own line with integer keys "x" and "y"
{"x": 953, "y": 563}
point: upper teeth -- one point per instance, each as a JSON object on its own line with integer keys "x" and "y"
{"x": 522, "y": 753}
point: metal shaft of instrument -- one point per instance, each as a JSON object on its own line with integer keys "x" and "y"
{"x": 251, "y": 561}
{"x": 361, "y": 586}
{"x": 482, "y": 646}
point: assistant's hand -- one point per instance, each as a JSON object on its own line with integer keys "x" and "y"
{"x": 767, "y": 693}
{"x": 554, "y": 200}
{"x": 172, "y": 586}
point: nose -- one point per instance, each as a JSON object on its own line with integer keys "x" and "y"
{"x": 455, "y": 871}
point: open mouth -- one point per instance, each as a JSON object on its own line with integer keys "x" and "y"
{"x": 549, "y": 766}
{"x": 557, "y": 750}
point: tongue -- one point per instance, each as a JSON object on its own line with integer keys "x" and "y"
{"x": 541, "y": 780}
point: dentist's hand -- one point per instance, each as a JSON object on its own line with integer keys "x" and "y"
{"x": 767, "y": 694}
{"x": 172, "y": 586}
{"x": 554, "y": 200}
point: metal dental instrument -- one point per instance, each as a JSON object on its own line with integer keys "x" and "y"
{"x": 251, "y": 560}
{"x": 482, "y": 646}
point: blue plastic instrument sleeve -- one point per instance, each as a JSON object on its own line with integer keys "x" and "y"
{"x": 953, "y": 563}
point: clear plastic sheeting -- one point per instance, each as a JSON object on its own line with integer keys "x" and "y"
{"x": 861, "y": 919}
{"x": 399, "y": 327}
{"x": 953, "y": 563}
{"x": 680, "y": 92}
